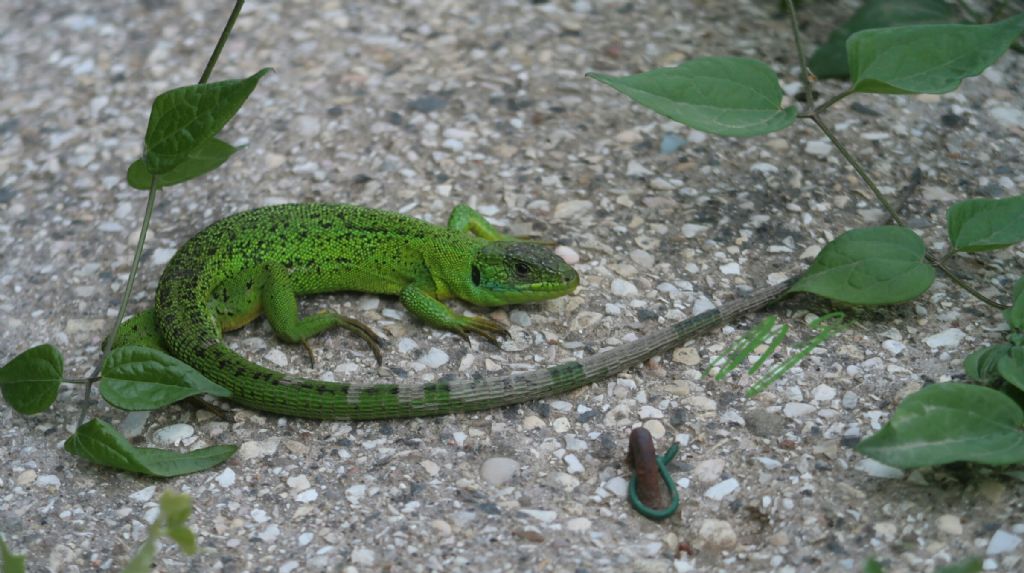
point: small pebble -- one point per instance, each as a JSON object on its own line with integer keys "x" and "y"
{"x": 617, "y": 485}
{"x": 797, "y": 409}
{"x": 573, "y": 464}
{"x": 709, "y": 471}
{"x": 1002, "y": 542}
{"x": 720, "y": 490}
{"x": 893, "y": 347}
{"x": 950, "y": 524}
{"x": 540, "y": 514}
{"x": 226, "y": 478}
{"x": 497, "y": 471}
{"x": 949, "y": 338}
{"x": 173, "y": 434}
{"x": 270, "y": 533}
{"x": 143, "y": 495}
{"x": 878, "y": 469}
{"x": 578, "y": 524}
{"x": 818, "y": 148}
{"x": 624, "y": 288}
{"x": 717, "y": 535}
{"x": 435, "y": 358}
{"x": 364, "y": 556}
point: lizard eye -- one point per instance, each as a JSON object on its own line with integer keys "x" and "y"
{"x": 521, "y": 269}
{"x": 475, "y": 275}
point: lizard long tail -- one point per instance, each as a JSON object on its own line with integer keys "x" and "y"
{"x": 264, "y": 389}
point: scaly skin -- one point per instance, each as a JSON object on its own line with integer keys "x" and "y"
{"x": 256, "y": 262}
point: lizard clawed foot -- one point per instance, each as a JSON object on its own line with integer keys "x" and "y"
{"x": 488, "y": 329}
{"x": 371, "y": 338}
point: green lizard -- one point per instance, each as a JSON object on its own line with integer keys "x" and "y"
{"x": 258, "y": 261}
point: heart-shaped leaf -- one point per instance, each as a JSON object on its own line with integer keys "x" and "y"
{"x": 726, "y": 96}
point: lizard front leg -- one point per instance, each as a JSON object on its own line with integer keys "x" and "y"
{"x": 432, "y": 311}
{"x": 464, "y": 218}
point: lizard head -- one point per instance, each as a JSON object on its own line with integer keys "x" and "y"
{"x": 511, "y": 272}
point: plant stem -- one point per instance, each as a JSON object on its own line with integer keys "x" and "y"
{"x": 859, "y": 169}
{"x": 150, "y": 202}
{"x": 108, "y": 345}
{"x": 932, "y": 259}
{"x": 220, "y": 42}
{"x": 805, "y": 73}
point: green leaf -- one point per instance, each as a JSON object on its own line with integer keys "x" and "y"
{"x": 982, "y": 365}
{"x": 99, "y": 442}
{"x": 873, "y": 566}
{"x": 969, "y": 565}
{"x": 829, "y": 61}
{"x": 207, "y": 157}
{"x": 9, "y": 562}
{"x": 183, "y": 119}
{"x": 177, "y": 507}
{"x": 1011, "y": 367}
{"x": 945, "y": 423}
{"x": 986, "y": 224}
{"x": 142, "y": 561}
{"x": 726, "y": 96}
{"x": 928, "y": 58}
{"x": 31, "y": 380}
{"x": 1015, "y": 314}
{"x": 875, "y": 265}
{"x": 142, "y": 378}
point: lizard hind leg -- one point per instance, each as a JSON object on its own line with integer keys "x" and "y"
{"x": 279, "y": 305}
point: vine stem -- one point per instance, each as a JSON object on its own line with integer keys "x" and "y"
{"x": 814, "y": 116}
{"x": 221, "y": 41}
{"x": 150, "y": 203}
{"x": 805, "y": 72}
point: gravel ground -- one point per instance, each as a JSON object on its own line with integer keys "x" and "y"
{"x": 419, "y": 106}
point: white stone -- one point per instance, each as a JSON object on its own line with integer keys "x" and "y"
{"x": 561, "y": 425}
{"x": 299, "y": 482}
{"x": 635, "y": 169}
{"x": 307, "y": 496}
{"x": 824, "y": 393}
{"x": 407, "y": 345}
{"x": 578, "y": 524}
{"x": 257, "y": 449}
{"x": 617, "y": 485}
{"x": 435, "y": 358}
{"x": 143, "y": 495}
{"x": 277, "y": 357}
{"x": 656, "y": 428}
{"x": 716, "y": 534}
{"x": 573, "y": 463}
{"x": 765, "y": 168}
{"x": 568, "y": 255}
{"x": 691, "y": 230}
{"x": 541, "y": 515}
{"x": 769, "y": 463}
{"x": 950, "y": 524}
{"x": 497, "y": 471}
{"x": 949, "y": 338}
{"x": 355, "y": 493}
{"x": 561, "y": 406}
{"x": 621, "y": 287}
{"x": 173, "y": 434}
{"x": 797, "y": 409}
{"x": 531, "y": 422}
{"x": 893, "y": 347}
{"x": 161, "y": 256}
{"x": 647, "y": 412}
{"x": 305, "y": 538}
{"x": 878, "y": 469}
{"x": 818, "y": 148}
{"x": 1007, "y": 115}
{"x": 226, "y": 478}
{"x": 721, "y": 489}
{"x": 709, "y": 471}
{"x": 270, "y": 533}
{"x": 288, "y": 566}
{"x": 364, "y": 556}
{"x": 572, "y": 208}
{"x": 730, "y": 269}
{"x": 1002, "y": 542}
{"x": 307, "y": 125}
